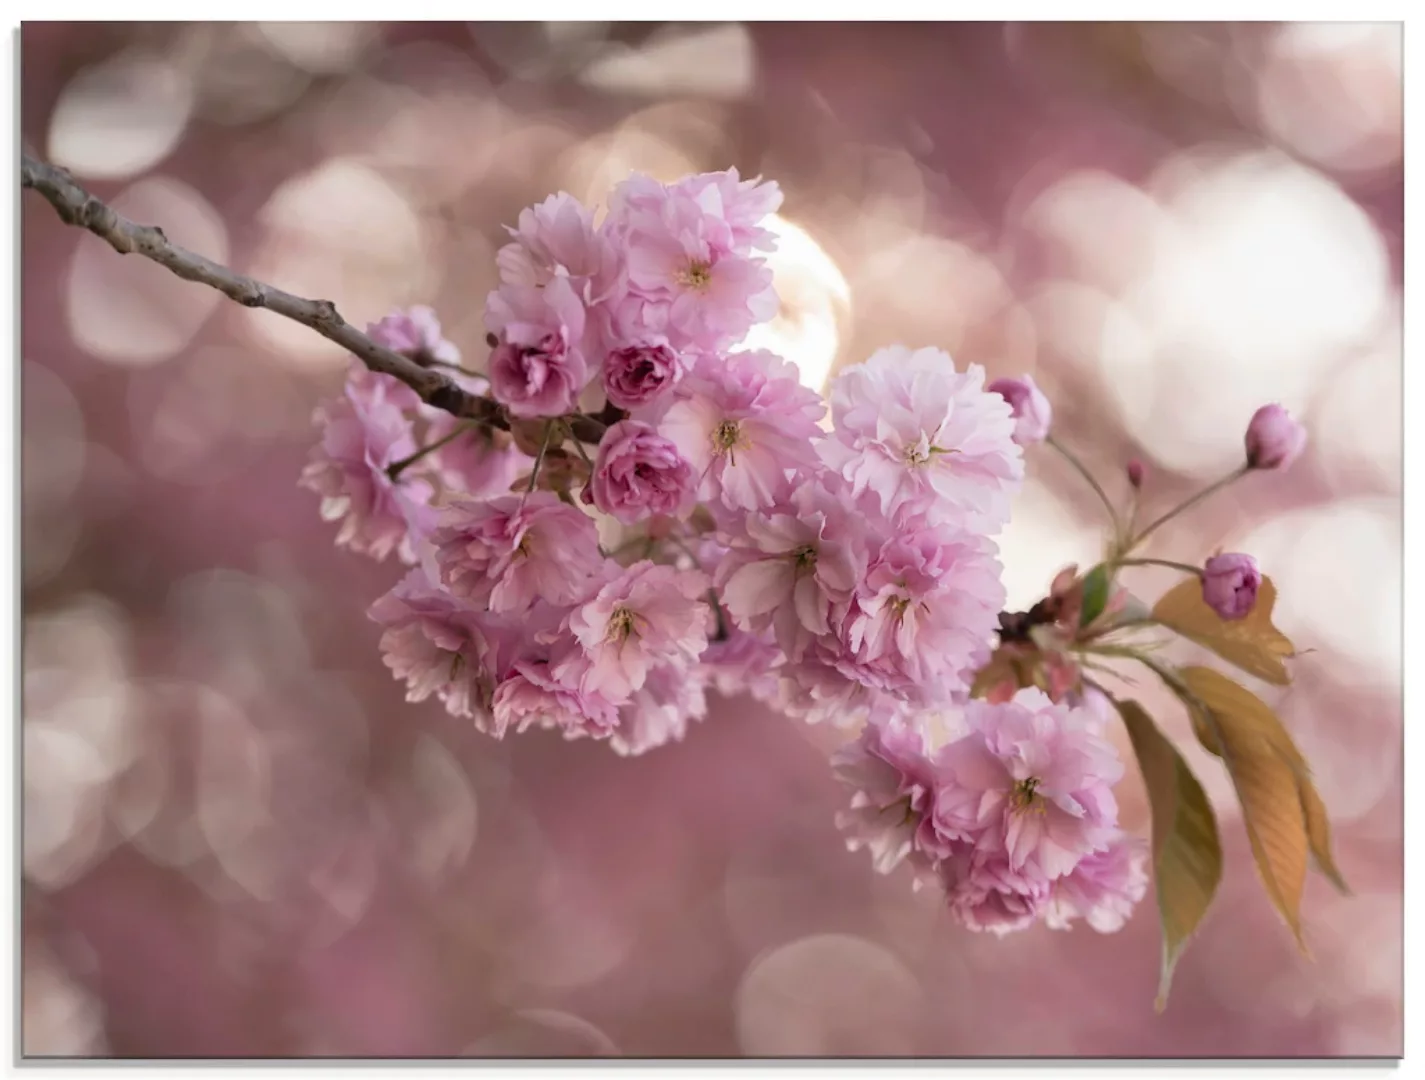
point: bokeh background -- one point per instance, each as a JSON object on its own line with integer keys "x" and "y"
{"x": 240, "y": 840}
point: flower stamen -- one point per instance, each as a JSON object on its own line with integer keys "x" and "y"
{"x": 1025, "y": 796}
{"x": 695, "y": 275}
{"x": 621, "y": 625}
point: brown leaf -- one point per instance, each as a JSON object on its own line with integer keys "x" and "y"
{"x": 1266, "y": 769}
{"x": 1252, "y": 644}
{"x": 1318, "y": 825}
{"x": 1187, "y": 854}
{"x": 1318, "y": 832}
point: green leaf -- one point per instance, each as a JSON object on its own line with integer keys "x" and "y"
{"x": 1253, "y": 643}
{"x": 1095, "y": 595}
{"x": 1187, "y": 853}
{"x": 1266, "y": 770}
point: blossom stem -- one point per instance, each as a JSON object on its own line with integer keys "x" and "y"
{"x": 579, "y": 448}
{"x": 1184, "y": 567}
{"x": 539, "y": 458}
{"x": 1083, "y": 471}
{"x": 395, "y": 469}
{"x": 721, "y": 633}
{"x": 1211, "y": 489}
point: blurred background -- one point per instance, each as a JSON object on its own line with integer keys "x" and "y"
{"x": 240, "y": 840}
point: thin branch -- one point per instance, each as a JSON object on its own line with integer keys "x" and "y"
{"x": 76, "y": 206}
{"x": 1216, "y": 486}
{"x": 396, "y": 468}
{"x": 1082, "y": 470}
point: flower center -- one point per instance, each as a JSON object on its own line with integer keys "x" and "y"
{"x": 457, "y": 661}
{"x": 727, "y": 436}
{"x": 1025, "y": 795}
{"x": 922, "y": 451}
{"x": 620, "y": 625}
{"x": 805, "y": 557}
{"x": 695, "y": 275}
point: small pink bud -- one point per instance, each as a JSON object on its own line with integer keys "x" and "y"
{"x": 1274, "y": 440}
{"x": 1032, "y": 411}
{"x": 1136, "y": 472}
{"x": 1230, "y": 583}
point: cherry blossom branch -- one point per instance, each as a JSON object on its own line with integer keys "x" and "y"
{"x": 78, "y": 207}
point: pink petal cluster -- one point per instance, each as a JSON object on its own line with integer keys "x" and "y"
{"x": 513, "y": 550}
{"x": 364, "y": 432}
{"x": 1015, "y": 818}
{"x": 691, "y": 275}
{"x": 639, "y": 375}
{"x": 538, "y": 367}
{"x": 716, "y": 536}
{"x": 911, "y": 428}
{"x": 646, "y": 616}
{"x": 747, "y": 426}
{"x": 639, "y": 472}
{"x": 437, "y": 644}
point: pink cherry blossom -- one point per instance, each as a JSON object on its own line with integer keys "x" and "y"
{"x": 746, "y": 425}
{"x": 1031, "y": 781}
{"x": 984, "y": 893}
{"x": 646, "y": 616}
{"x": 557, "y": 237}
{"x": 414, "y": 332}
{"x": 538, "y": 368}
{"x": 792, "y": 570}
{"x": 893, "y": 785}
{"x": 638, "y": 472}
{"x": 641, "y": 375}
{"x": 686, "y": 278}
{"x": 742, "y": 204}
{"x": 512, "y": 550}
{"x": 533, "y": 696}
{"x": 1103, "y": 889}
{"x": 925, "y": 609}
{"x": 437, "y": 644}
{"x": 912, "y": 429}
{"x": 364, "y": 433}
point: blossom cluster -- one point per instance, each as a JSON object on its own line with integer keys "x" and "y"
{"x": 723, "y": 532}
{"x": 1014, "y": 819}
{"x": 647, "y": 510}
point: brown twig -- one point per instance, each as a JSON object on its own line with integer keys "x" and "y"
{"x": 76, "y": 206}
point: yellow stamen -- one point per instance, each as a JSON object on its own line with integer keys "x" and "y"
{"x": 696, "y": 275}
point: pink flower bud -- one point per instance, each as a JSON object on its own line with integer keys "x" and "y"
{"x": 1136, "y": 472}
{"x": 1230, "y": 583}
{"x": 1032, "y": 411}
{"x": 1274, "y": 440}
